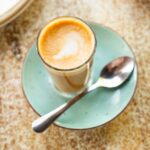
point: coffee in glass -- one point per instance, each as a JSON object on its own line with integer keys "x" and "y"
{"x": 67, "y": 45}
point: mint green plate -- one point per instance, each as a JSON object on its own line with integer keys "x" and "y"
{"x": 96, "y": 108}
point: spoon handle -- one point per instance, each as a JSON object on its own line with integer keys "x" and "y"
{"x": 43, "y": 122}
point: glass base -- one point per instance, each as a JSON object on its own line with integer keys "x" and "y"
{"x": 71, "y": 95}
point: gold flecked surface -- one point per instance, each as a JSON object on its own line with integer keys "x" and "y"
{"x": 129, "y": 131}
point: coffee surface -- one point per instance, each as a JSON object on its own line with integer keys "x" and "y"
{"x": 66, "y": 43}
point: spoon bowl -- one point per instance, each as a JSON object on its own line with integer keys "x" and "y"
{"x": 116, "y": 72}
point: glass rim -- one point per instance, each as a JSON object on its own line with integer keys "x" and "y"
{"x": 70, "y": 69}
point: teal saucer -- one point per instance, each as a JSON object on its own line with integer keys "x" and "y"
{"x": 96, "y": 108}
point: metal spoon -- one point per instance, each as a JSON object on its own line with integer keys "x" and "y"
{"x": 113, "y": 74}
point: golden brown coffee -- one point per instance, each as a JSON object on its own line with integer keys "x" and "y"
{"x": 65, "y": 45}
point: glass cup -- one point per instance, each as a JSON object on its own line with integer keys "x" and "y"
{"x": 70, "y": 82}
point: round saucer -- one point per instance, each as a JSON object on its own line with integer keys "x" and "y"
{"x": 96, "y": 108}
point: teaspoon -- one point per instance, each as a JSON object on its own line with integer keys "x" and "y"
{"x": 112, "y": 75}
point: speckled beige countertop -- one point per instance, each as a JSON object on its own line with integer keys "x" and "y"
{"x": 129, "y": 131}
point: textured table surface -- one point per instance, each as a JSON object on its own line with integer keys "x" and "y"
{"x": 129, "y": 131}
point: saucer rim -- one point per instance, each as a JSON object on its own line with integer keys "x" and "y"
{"x": 86, "y": 128}
{"x": 14, "y": 12}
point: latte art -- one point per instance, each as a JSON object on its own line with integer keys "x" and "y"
{"x": 66, "y": 44}
{"x": 70, "y": 47}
